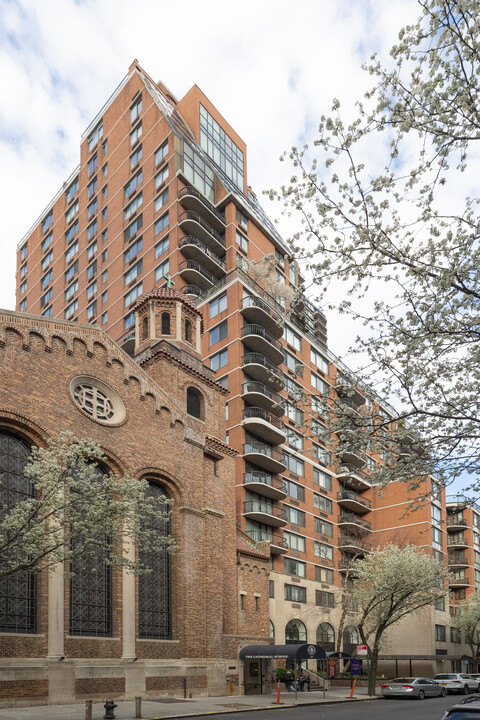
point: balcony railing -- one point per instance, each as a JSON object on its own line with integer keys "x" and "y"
{"x": 253, "y": 386}
{"x": 254, "y": 412}
{"x": 258, "y": 359}
{"x": 192, "y": 290}
{"x": 195, "y": 217}
{"x": 457, "y": 541}
{"x": 193, "y": 192}
{"x": 256, "y": 476}
{"x": 257, "y": 506}
{"x": 194, "y": 265}
{"x": 351, "y": 519}
{"x": 263, "y": 449}
{"x": 456, "y": 521}
{"x": 345, "y": 541}
{"x": 274, "y": 539}
{"x": 355, "y": 497}
{"x": 192, "y": 240}
{"x": 255, "y": 302}
{"x": 457, "y": 559}
{"x": 261, "y": 332}
{"x": 349, "y": 469}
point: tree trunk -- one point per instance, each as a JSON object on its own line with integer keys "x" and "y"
{"x": 372, "y": 670}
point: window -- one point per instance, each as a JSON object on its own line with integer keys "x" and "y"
{"x": 136, "y": 134}
{"x": 104, "y": 297}
{"x": 104, "y": 276}
{"x": 219, "y": 360}
{"x": 45, "y": 299}
{"x": 46, "y": 279}
{"x": 135, "y": 110}
{"x": 294, "y": 542}
{"x": 133, "y": 250}
{"x": 323, "y": 551}
{"x": 161, "y": 153}
{"x": 292, "y": 338}
{"x": 23, "y": 270}
{"x": 71, "y": 191}
{"x": 294, "y": 567}
{"x": 320, "y": 454}
{"x": 194, "y": 402}
{"x": 292, "y": 273}
{"x": 324, "y": 599}
{"x": 161, "y": 223}
{"x": 221, "y": 148}
{"x": 322, "y": 527}
{"x": 323, "y": 574}
{"x": 104, "y": 213}
{"x": 95, "y": 136}
{"x": 294, "y": 439}
{"x": 71, "y": 212}
{"x": 440, "y": 603}
{"x": 105, "y": 170}
{"x": 455, "y": 635}
{"x": 134, "y": 293}
{"x": 71, "y": 290}
{"x": 294, "y": 593}
{"x": 322, "y": 479}
{"x": 319, "y": 360}
{"x": 198, "y": 173}
{"x": 91, "y": 187}
{"x": 105, "y": 317}
{"x": 91, "y": 290}
{"x": 440, "y": 635}
{"x": 161, "y": 177}
{"x": 23, "y": 305}
{"x": 292, "y": 363}
{"x": 295, "y": 491}
{"x": 436, "y": 515}
{"x": 242, "y": 219}
{"x": 91, "y": 230}
{"x": 320, "y": 384}
{"x": 165, "y": 323}
{"x": 47, "y": 221}
{"x": 91, "y": 250}
{"x": 104, "y": 192}
{"x": 133, "y": 228}
{"x": 218, "y": 305}
{"x": 133, "y": 206}
{"x": 437, "y": 538}
{"x": 46, "y": 242}
{"x": 71, "y": 272}
{"x": 294, "y": 516}
{"x": 161, "y": 200}
{"x": 242, "y": 241}
{"x": 92, "y": 165}
{"x": 23, "y": 287}
{"x": 219, "y": 332}
{"x": 104, "y": 147}
{"x": 92, "y": 310}
{"x": 131, "y": 186}
{"x": 326, "y": 636}
{"x": 71, "y": 252}
{"x": 71, "y": 309}
{"x": 48, "y": 259}
{"x": 91, "y": 270}
{"x": 161, "y": 247}
{"x": 162, "y": 270}
{"x": 293, "y": 464}
{"x": 105, "y": 255}
{"x": 188, "y": 331}
{"x": 271, "y": 589}
{"x": 135, "y": 158}
{"x": 134, "y": 271}
{"x": 128, "y": 321}
{"x": 322, "y": 503}
{"x": 293, "y": 388}
{"x": 223, "y": 381}
{"x": 71, "y": 232}
{"x": 48, "y": 312}
{"x": 293, "y": 413}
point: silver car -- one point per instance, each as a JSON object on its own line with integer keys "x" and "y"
{"x": 414, "y": 687}
{"x": 467, "y": 709}
{"x": 457, "y": 682}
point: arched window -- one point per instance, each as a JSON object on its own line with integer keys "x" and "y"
{"x": 350, "y": 639}
{"x": 188, "y": 331}
{"x": 326, "y": 637}
{"x": 145, "y": 328}
{"x": 154, "y": 588}
{"x": 272, "y": 629}
{"x": 91, "y": 591}
{"x": 295, "y": 632}
{"x": 17, "y": 591}
{"x": 195, "y": 403}
{"x": 165, "y": 323}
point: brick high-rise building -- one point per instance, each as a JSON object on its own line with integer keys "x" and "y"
{"x": 161, "y": 196}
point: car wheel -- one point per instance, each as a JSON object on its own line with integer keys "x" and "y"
{"x": 443, "y": 692}
{"x": 466, "y": 689}
{"x": 421, "y": 694}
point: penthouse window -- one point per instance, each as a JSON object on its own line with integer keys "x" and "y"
{"x": 71, "y": 232}
{"x": 161, "y": 153}
{"x": 71, "y": 191}
{"x": 24, "y": 252}
{"x": 131, "y": 186}
{"x": 135, "y": 110}
{"x": 133, "y": 228}
{"x": 133, "y": 206}
{"x": 198, "y": 173}
{"x": 47, "y": 221}
{"x": 95, "y": 136}
{"x": 47, "y": 241}
{"x": 221, "y": 148}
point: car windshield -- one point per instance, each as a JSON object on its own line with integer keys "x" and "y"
{"x": 403, "y": 680}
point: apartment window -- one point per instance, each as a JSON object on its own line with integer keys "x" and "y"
{"x": 131, "y": 186}
{"x": 440, "y": 635}
{"x": 293, "y": 464}
{"x": 133, "y": 228}
{"x": 134, "y": 293}
{"x": 162, "y": 270}
{"x": 133, "y": 206}
{"x": 136, "y": 134}
{"x": 292, "y": 338}
{"x": 91, "y": 250}
{"x": 71, "y": 290}
{"x": 91, "y": 270}
{"x": 319, "y": 407}
{"x": 477, "y": 577}
{"x": 323, "y": 551}
{"x": 455, "y": 635}
{"x": 105, "y": 318}
{"x": 320, "y": 454}
{"x": 104, "y": 297}
{"x": 95, "y": 136}
{"x": 294, "y": 439}
{"x": 105, "y": 255}
{"x": 135, "y": 111}
{"x": 133, "y": 250}
{"x": 104, "y": 147}
{"x": 48, "y": 259}
{"x": 293, "y": 413}
{"x": 135, "y": 158}
{"x": 319, "y": 360}
{"x": 223, "y": 381}
{"x": 23, "y": 287}
{"x": 440, "y": 604}
{"x": 271, "y": 589}
{"x": 320, "y": 502}
{"x": 293, "y": 567}
{"x": 71, "y": 232}
{"x": 161, "y": 153}
{"x": 217, "y": 306}
{"x": 47, "y": 221}
{"x": 161, "y": 200}
{"x": 91, "y": 290}
{"x": 219, "y": 332}
{"x": 46, "y": 279}
{"x": 436, "y": 515}
{"x": 104, "y": 276}
{"x": 292, "y": 363}
{"x": 70, "y": 253}
{"x": 133, "y": 273}
{"x": 161, "y": 247}
{"x": 294, "y": 542}
{"x": 91, "y": 187}
{"x": 219, "y": 360}
{"x": 198, "y": 173}
{"x": 104, "y": 214}
{"x": 104, "y": 192}
{"x": 161, "y": 223}
{"x": 294, "y": 516}
{"x": 128, "y": 321}
{"x": 437, "y": 538}
{"x": 71, "y": 309}
{"x": 92, "y": 165}
{"x": 92, "y": 310}
{"x": 105, "y": 235}
{"x": 23, "y": 270}
{"x": 23, "y": 305}
{"x": 161, "y": 177}
{"x": 242, "y": 219}
{"x": 324, "y": 599}
{"x": 105, "y": 170}
{"x": 221, "y": 148}
{"x": 293, "y": 388}
{"x": 295, "y": 491}
{"x": 91, "y": 230}
{"x": 323, "y": 574}
{"x": 71, "y": 191}
{"x": 292, "y": 273}
{"x": 294, "y": 593}
{"x": 45, "y": 299}
{"x": 71, "y": 272}
{"x": 242, "y": 241}
{"x": 71, "y": 212}
{"x": 46, "y": 242}
{"x": 48, "y": 312}
{"x": 320, "y": 384}
{"x": 322, "y": 527}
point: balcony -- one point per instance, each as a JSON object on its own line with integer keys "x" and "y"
{"x": 278, "y": 546}
{"x": 193, "y": 249}
{"x": 258, "y": 311}
{"x": 262, "y": 483}
{"x": 459, "y": 542}
{"x": 257, "y": 394}
{"x": 345, "y": 388}
{"x": 263, "y": 424}
{"x": 192, "y": 290}
{"x": 259, "y": 340}
{"x": 351, "y": 475}
{"x": 459, "y": 582}
{"x": 352, "y": 544}
{"x": 192, "y": 224}
{"x": 195, "y": 274}
{"x": 191, "y": 199}
{"x": 264, "y": 512}
{"x": 351, "y": 456}
{"x": 264, "y": 456}
{"x": 346, "y": 563}
{"x": 457, "y": 559}
{"x": 262, "y": 369}
{"x": 353, "y": 501}
{"x": 456, "y": 523}
{"x": 351, "y": 521}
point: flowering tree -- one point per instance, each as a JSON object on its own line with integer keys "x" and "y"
{"x": 467, "y": 620}
{"x": 77, "y": 510}
{"x": 389, "y": 584}
{"x": 387, "y": 205}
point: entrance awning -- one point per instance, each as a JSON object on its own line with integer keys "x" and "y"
{"x": 272, "y": 652}
{"x": 339, "y": 655}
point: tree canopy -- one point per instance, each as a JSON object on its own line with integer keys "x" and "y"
{"x": 467, "y": 620}
{"x": 388, "y": 209}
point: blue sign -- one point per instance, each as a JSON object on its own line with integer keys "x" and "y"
{"x": 356, "y": 666}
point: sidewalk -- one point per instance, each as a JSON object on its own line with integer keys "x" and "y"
{"x": 177, "y": 708}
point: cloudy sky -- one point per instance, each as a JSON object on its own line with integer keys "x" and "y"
{"x": 271, "y": 67}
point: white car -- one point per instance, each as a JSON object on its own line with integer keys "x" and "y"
{"x": 457, "y": 682}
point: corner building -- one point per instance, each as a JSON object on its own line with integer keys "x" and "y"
{"x": 161, "y": 196}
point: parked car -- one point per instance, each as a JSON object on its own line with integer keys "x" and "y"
{"x": 414, "y": 687}
{"x": 457, "y": 682}
{"x": 466, "y": 709}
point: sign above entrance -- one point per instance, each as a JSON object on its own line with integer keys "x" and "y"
{"x": 362, "y": 650}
